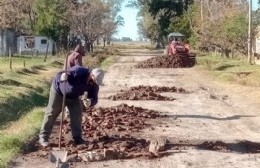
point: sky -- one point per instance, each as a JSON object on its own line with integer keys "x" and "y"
{"x": 255, "y": 5}
{"x": 130, "y": 27}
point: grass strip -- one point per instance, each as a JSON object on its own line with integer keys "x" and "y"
{"x": 236, "y": 71}
{"x": 13, "y": 138}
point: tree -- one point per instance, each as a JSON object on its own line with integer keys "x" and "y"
{"x": 184, "y": 24}
{"x": 161, "y": 12}
{"x": 148, "y": 27}
{"x": 113, "y": 20}
{"x": 256, "y": 17}
{"x": 223, "y": 27}
{"x": 16, "y": 14}
{"x": 51, "y": 20}
{"x": 86, "y": 20}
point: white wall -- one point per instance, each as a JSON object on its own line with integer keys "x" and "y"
{"x": 257, "y": 46}
{"x": 38, "y": 44}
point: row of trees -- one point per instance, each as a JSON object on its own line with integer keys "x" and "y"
{"x": 208, "y": 24}
{"x": 57, "y": 19}
{"x": 155, "y": 16}
{"x": 221, "y": 25}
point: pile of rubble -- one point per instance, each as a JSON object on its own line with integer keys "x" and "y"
{"x": 146, "y": 93}
{"x": 107, "y": 121}
{"x": 167, "y": 62}
{"x": 158, "y": 89}
{"x": 108, "y": 134}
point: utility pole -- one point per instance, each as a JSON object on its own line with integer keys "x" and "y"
{"x": 201, "y": 11}
{"x": 250, "y": 58}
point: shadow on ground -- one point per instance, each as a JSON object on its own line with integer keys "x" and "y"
{"x": 234, "y": 117}
{"x": 242, "y": 147}
{"x": 16, "y": 106}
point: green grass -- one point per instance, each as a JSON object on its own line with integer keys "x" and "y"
{"x": 231, "y": 70}
{"x": 23, "y": 95}
{"x": 22, "y": 90}
{"x": 107, "y": 62}
{"x": 12, "y": 140}
{"x": 101, "y": 55}
{"x": 19, "y": 62}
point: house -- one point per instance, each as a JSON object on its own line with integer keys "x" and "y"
{"x": 7, "y": 41}
{"x": 34, "y": 44}
{"x": 24, "y": 44}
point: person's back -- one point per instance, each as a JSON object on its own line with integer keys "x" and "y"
{"x": 75, "y": 58}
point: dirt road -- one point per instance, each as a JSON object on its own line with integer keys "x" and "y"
{"x": 216, "y": 125}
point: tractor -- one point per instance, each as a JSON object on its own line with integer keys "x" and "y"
{"x": 179, "y": 49}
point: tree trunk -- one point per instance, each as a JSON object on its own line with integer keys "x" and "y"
{"x": 97, "y": 41}
{"x": 87, "y": 43}
{"x": 232, "y": 53}
{"x": 104, "y": 42}
{"x": 227, "y": 52}
{"x": 92, "y": 47}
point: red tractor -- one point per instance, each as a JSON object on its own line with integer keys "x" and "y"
{"x": 177, "y": 48}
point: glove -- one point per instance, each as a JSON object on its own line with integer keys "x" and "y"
{"x": 63, "y": 77}
{"x": 66, "y": 112}
{"x": 86, "y": 102}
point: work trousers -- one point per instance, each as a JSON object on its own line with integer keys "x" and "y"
{"x": 53, "y": 110}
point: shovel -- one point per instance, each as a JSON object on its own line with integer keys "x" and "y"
{"x": 59, "y": 156}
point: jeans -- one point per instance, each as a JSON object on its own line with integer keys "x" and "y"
{"x": 53, "y": 110}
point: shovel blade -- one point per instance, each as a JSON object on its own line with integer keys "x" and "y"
{"x": 58, "y": 156}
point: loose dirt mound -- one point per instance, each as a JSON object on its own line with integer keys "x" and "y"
{"x": 167, "y": 62}
{"x": 158, "y": 89}
{"x": 106, "y": 128}
{"x": 108, "y": 121}
{"x": 146, "y": 93}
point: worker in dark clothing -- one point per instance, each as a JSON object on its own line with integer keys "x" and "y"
{"x": 79, "y": 80}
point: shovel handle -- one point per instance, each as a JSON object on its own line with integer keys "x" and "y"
{"x": 63, "y": 101}
{"x": 57, "y": 163}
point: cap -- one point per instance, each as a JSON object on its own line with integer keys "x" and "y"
{"x": 99, "y": 75}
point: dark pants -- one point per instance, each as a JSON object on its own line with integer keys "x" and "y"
{"x": 53, "y": 110}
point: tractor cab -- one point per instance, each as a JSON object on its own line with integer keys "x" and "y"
{"x": 176, "y": 44}
{"x": 176, "y": 37}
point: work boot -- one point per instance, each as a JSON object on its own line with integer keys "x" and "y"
{"x": 79, "y": 141}
{"x": 43, "y": 142}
